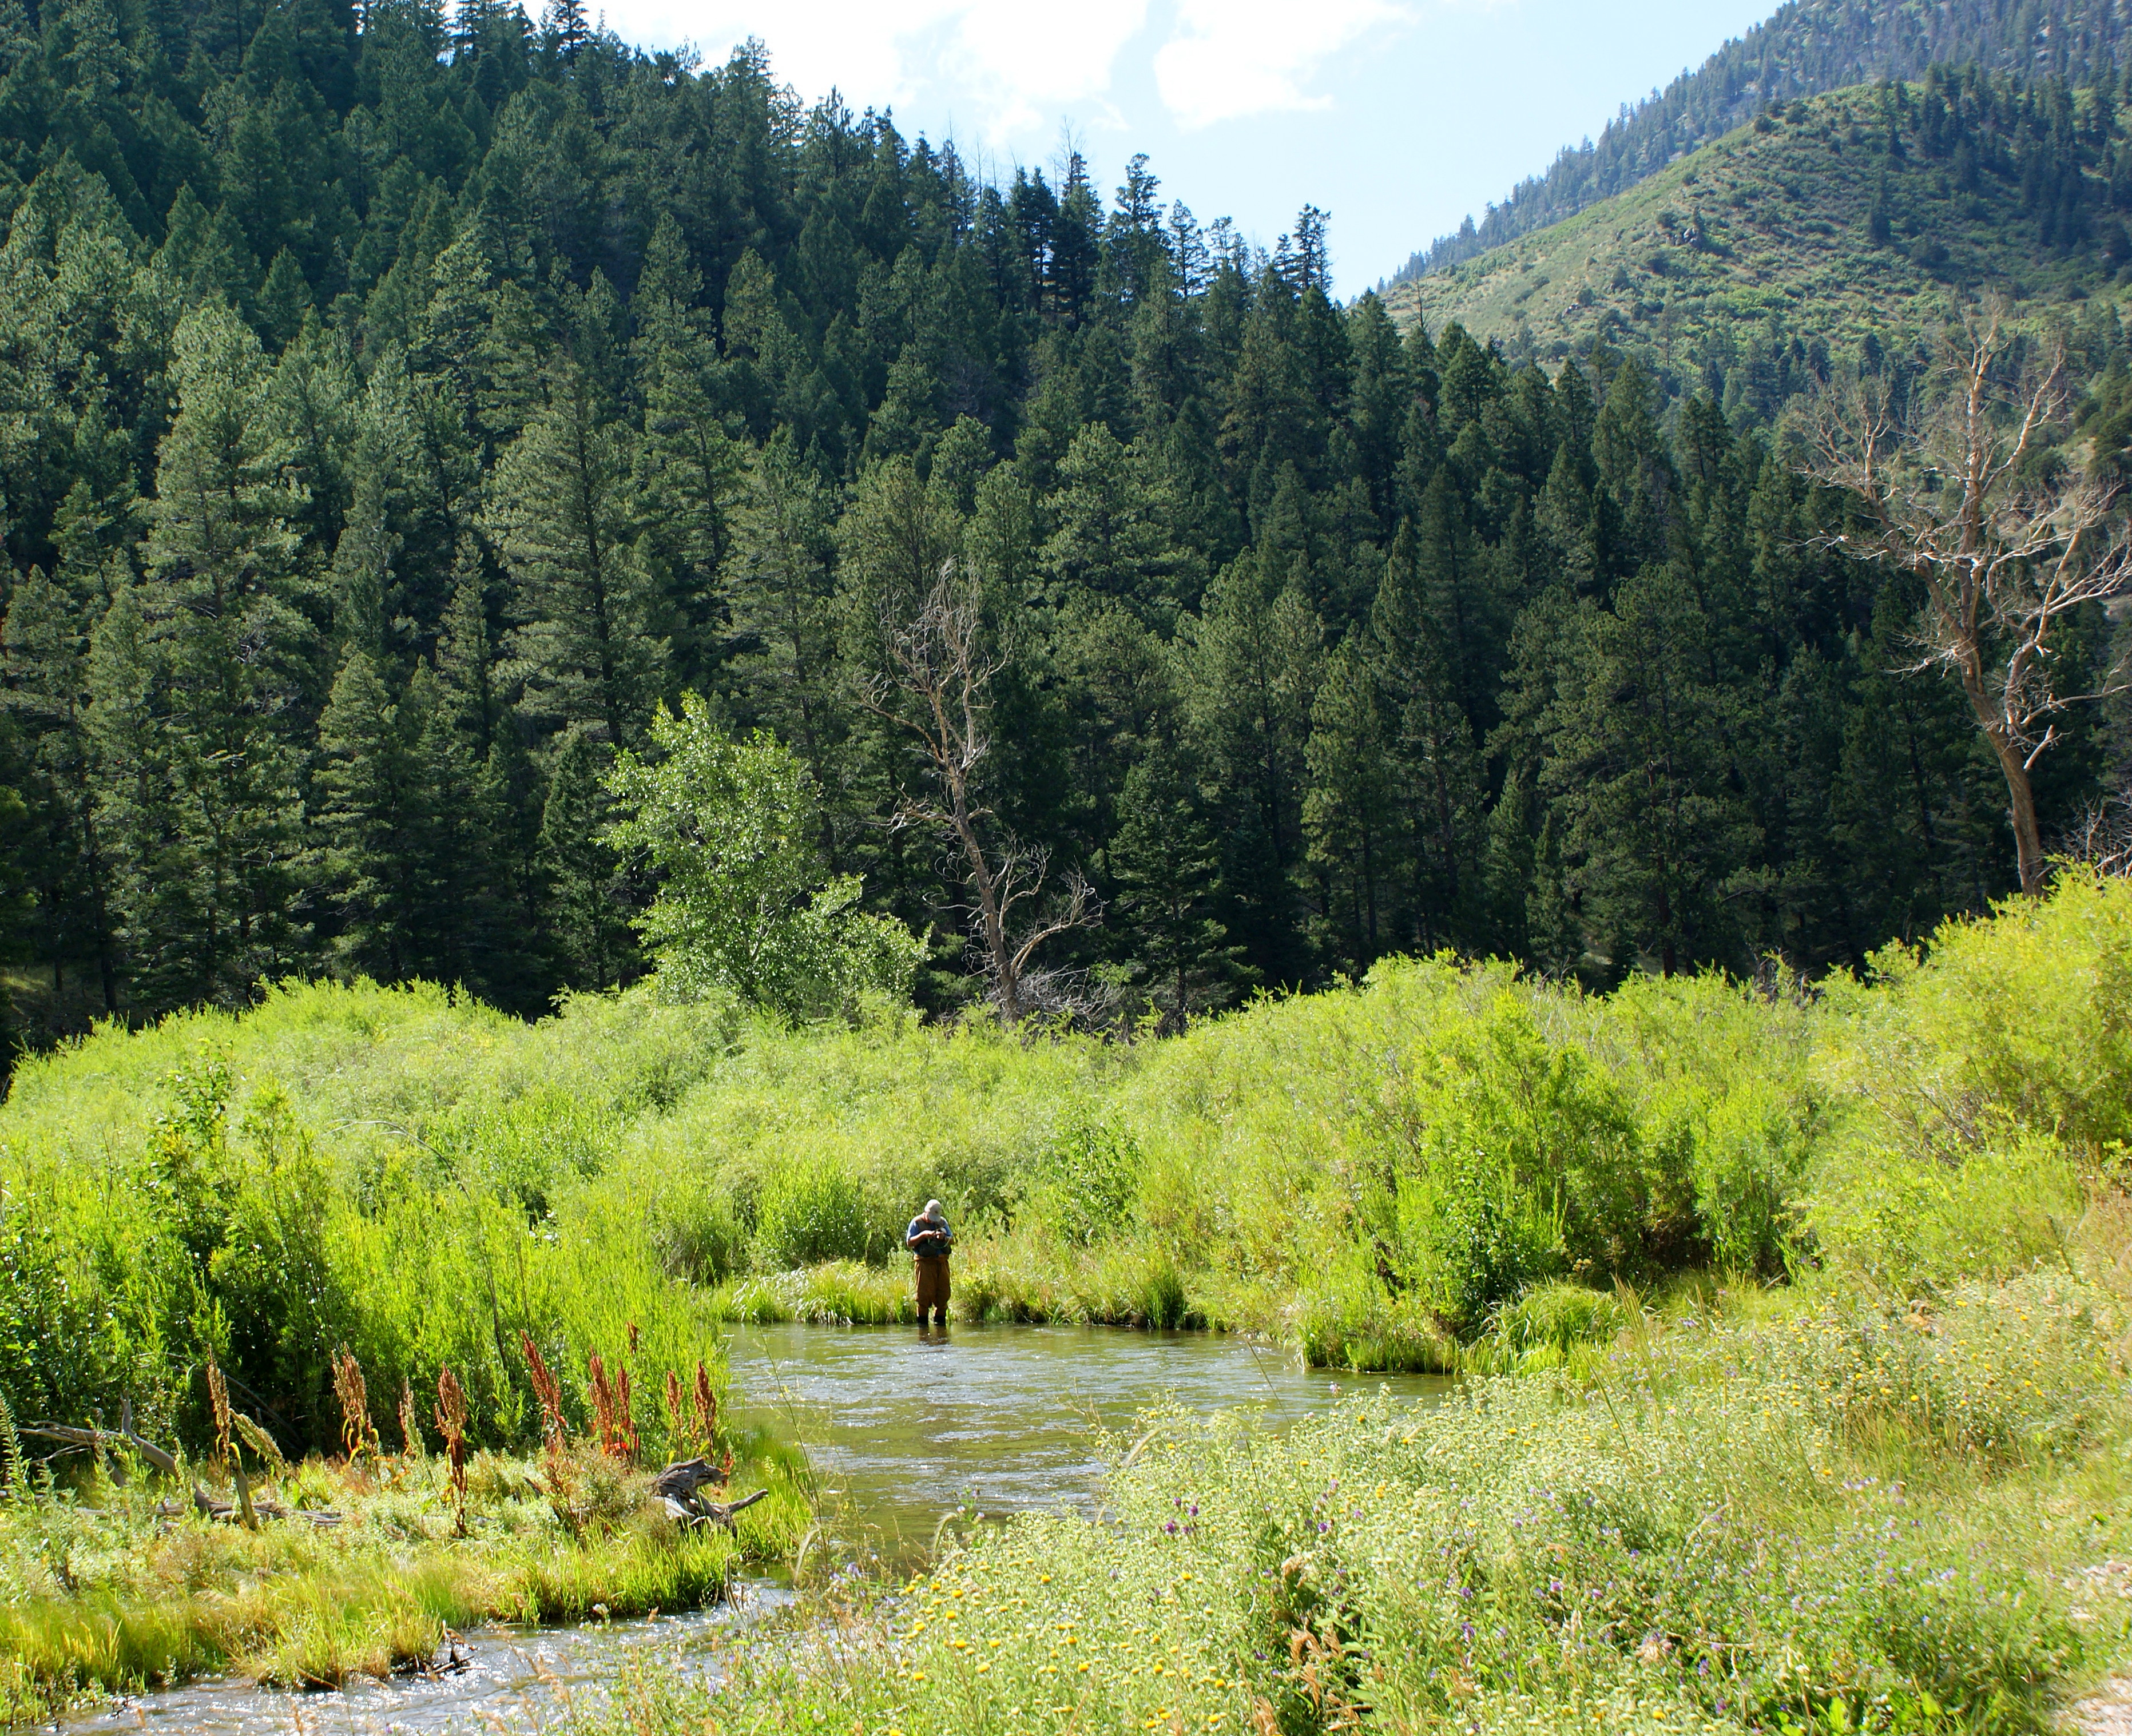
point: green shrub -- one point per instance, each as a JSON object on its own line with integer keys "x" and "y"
{"x": 2021, "y": 1018}
{"x": 809, "y": 1212}
{"x": 1692, "y": 1539}
{"x": 697, "y": 1230}
{"x": 1914, "y": 1225}
{"x": 1084, "y": 1185}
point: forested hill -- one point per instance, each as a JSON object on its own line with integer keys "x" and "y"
{"x": 1741, "y": 269}
{"x": 1808, "y": 47}
{"x": 391, "y": 418}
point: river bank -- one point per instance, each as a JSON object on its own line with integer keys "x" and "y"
{"x": 912, "y": 1441}
{"x": 1813, "y": 1512}
{"x": 352, "y": 1571}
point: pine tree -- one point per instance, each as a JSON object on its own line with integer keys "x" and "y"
{"x": 208, "y": 894}
{"x": 46, "y": 645}
{"x": 588, "y": 924}
{"x": 1251, "y": 667}
{"x": 1117, "y": 516}
{"x": 1415, "y": 636}
{"x": 285, "y": 299}
{"x": 371, "y": 817}
{"x": 1349, "y": 814}
{"x": 591, "y": 620}
{"x": 564, "y": 25}
{"x": 460, "y": 917}
{"x": 1166, "y": 864}
{"x": 1635, "y": 773}
{"x": 691, "y": 471}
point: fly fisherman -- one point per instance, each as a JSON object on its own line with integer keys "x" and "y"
{"x": 930, "y": 1240}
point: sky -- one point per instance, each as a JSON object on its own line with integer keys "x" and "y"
{"x": 1397, "y": 116}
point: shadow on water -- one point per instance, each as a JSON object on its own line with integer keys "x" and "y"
{"x": 909, "y": 1432}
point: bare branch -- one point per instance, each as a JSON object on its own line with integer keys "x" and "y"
{"x": 1943, "y": 496}
{"x": 936, "y": 689}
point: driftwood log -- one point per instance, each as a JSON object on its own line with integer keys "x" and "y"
{"x": 679, "y": 1490}
{"x": 228, "y": 1512}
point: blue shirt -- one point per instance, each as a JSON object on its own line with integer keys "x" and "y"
{"x": 934, "y": 1227}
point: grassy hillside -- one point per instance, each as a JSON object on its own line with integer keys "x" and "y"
{"x": 1806, "y": 48}
{"x": 1766, "y": 234}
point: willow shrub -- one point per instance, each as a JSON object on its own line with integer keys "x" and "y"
{"x": 1375, "y": 1172}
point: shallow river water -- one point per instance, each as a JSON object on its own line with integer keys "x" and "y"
{"x": 905, "y": 1429}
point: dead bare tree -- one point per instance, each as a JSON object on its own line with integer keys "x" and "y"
{"x": 936, "y": 690}
{"x": 2004, "y": 558}
{"x": 2102, "y": 839}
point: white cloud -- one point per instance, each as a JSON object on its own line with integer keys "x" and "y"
{"x": 1004, "y": 66}
{"x": 1233, "y": 58}
{"x": 1023, "y": 67}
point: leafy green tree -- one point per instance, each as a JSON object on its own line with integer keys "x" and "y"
{"x": 729, "y": 828}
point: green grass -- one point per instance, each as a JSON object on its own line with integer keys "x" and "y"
{"x": 1369, "y": 1176}
{"x": 1754, "y": 1260}
{"x": 1813, "y": 1512}
{"x": 106, "y": 1595}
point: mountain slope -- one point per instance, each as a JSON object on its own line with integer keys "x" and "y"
{"x": 1773, "y": 231}
{"x": 1809, "y": 47}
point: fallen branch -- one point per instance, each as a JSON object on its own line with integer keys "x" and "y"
{"x": 228, "y": 1512}
{"x": 91, "y": 1438}
{"x": 678, "y": 1490}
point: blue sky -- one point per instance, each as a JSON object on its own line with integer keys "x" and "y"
{"x": 1398, "y": 116}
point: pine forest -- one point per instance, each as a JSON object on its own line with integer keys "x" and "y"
{"x": 397, "y": 419}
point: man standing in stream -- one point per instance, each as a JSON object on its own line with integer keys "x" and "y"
{"x": 930, "y": 1240}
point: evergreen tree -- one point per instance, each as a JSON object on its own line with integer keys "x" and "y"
{"x": 1251, "y": 671}
{"x": 591, "y": 623}
{"x": 46, "y": 645}
{"x": 587, "y": 918}
{"x": 1349, "y": 812}
{"x": 371, "y": 819}
{"x": 1650, "y": 830}
{"x": 1438, "y": 775}
{"x": 208, "y": 891}
{"x": 1167, "y": 862}
{"x": 1557, "y": 657}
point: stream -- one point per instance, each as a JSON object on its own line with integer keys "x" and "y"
{"x": 903, "y": 1429}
